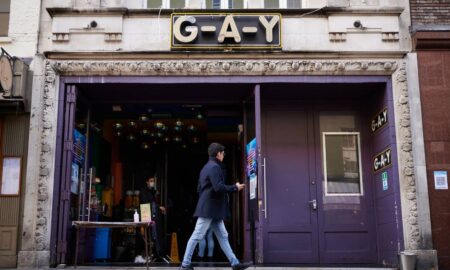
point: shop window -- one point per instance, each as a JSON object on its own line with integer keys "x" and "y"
{"x": 342, "y": 163}
{"x": 4, "y": 17}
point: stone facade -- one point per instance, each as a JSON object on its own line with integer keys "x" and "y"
{"x": 23, "y": 28}
{"x": 318, "y": 42}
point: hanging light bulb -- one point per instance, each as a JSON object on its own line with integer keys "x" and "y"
{"x": 179, "y": 123}
{"x": 195, "y": 140}
{"x": 177, "y": 139}
{"x": 164, "y": 128}
{"x": 159, "y": 125}
{"x": 131, "y": 137}
{"x": 144, "y": 118}
{"x": 155, "y": 142}
{"x": 199, "y": 116}
{"x": 159, "y": 134}
{"x": 118, "y": 125}
{"x": 191, "y": 128}
{"x": 145, "y": 146}
{"x": 118, "y": 133}
{"x": 132, "y": 124}
{"x": 166, "y": 139}
{"x": 145, "y": 132}
{"x": 177, "y": 128}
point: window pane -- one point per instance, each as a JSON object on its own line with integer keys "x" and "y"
{"x": 293, "y": 3}
{"x": 4, "y": 6}
{"x": 4, "y": 17}
{"x": 213, "y": 4}
{"x": 4, "y": 23}
{"x": 154, "y": 3}
{"x": 236, "y": 4}
{"x": 342, "y": 164}
{"x": 271, "y": 3}
{"x": 177, "y": 4}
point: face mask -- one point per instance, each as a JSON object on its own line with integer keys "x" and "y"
{"x": 151, "y": 185}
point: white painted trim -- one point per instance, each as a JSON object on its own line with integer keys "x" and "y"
{"x": 325, "y": 164}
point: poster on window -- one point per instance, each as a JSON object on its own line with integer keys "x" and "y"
{"x": 252, "y": 168}
{"x": 74, "y": 179}
{"x": 79, "y": 147}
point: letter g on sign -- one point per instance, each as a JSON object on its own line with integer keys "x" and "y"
{"x": 192, "y": 30}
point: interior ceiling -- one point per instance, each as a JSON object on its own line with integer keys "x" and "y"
{"x": 220, "y": 100}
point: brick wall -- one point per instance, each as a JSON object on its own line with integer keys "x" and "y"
{"x": 430, "y": 12}
{"x": 434, "y": 79}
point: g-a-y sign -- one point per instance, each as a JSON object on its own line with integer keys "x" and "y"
{"x": 382, "y": 160}
{"x": 380, "y": 120}
{"x": 222, "y": 31}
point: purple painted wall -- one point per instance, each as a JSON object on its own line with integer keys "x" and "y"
{"x": 387, "y": 202}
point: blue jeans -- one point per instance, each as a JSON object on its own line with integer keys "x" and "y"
{"x": 202, "y": 226}
{"x": 202, "y": 244}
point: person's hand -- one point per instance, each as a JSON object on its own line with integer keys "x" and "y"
{"x": 240, "y": 186}
{"x": 163, "y": 209}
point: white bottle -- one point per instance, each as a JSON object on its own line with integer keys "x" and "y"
{"x": 136, "y": 216}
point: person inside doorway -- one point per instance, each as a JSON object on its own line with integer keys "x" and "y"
{"x": 149, "y": 194}
{"x": 213, "y": 207}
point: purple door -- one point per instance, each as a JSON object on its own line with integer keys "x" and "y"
{"x": 344, "y": 198}
{"x": 317, "y": 197}
{"x": 290, "y": 224}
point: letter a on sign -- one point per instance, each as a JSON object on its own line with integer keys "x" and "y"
{"x": 233, "y": 33}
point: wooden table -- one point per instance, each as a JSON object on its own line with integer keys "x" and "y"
{"x": 112, "y": 225}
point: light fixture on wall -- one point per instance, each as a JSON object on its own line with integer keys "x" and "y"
{"x": 358, "y": 24}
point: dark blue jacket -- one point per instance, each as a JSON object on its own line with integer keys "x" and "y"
{"x": 213, "y": 193}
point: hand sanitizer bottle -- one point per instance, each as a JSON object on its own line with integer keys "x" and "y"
{"x": 136, "y": 216}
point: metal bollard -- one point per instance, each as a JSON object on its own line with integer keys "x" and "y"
{"x": 407, "y": 260}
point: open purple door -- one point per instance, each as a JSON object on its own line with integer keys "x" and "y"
{"x": 64, "y": 179}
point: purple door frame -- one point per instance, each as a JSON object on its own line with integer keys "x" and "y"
{"x": 61, "y": 220}
{"x": 61, "y": 166}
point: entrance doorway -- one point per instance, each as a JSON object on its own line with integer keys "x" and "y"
{"x": 156, "y": 130}
{"x": 312, "y": 201}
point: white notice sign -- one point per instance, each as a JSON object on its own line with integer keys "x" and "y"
{"x": 253, "y": 180}
{"x": 440, "y": 180}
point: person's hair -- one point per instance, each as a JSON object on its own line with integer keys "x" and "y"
{"x": 215, "y": 148}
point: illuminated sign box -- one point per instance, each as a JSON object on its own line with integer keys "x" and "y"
{"x": 225, "y": 31}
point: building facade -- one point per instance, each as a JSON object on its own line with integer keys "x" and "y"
{"x": 430, "y": 30}
{"x": 19, "y": 23}
{"x": 325, "y": 91}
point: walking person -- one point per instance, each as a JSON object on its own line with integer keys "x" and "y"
{"x": 213, "y": 207}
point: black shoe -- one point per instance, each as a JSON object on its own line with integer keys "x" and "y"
{"x": 242, "y": 266}
{"x": 189, "y": 267}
